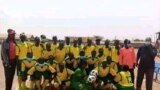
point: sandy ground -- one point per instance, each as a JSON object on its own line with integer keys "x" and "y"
{"x": 156, "y": 84}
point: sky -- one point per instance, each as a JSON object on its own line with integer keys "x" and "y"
{"x": 108, "y": 18}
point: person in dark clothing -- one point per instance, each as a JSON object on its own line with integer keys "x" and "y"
{"x": 145, "y": 56}
{"x": 8, "y": 56}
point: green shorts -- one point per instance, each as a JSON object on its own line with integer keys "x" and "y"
{"x": 19, "y": 68}
{"x": 105, "y": 79}
{"x": 45, "y": 74}
{"x": 70, "y": 66}
{"x": 25, "y": 75}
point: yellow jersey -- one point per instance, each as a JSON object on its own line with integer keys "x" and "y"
{"x": 93, "y": 61}
{"x": 21, "y": 50}
{"x": 124, "y": 78}
{"x": 81, "y": 47}
{"x": 68, "y": 47}
{"x": 97, "y": 47}
{"x": 37, "y": 51}
{"x": 65, "y": 74}
{"x": 38, "y": 67}
{"x": 103, "y": 72}
{"x": 27, "y": 64}
{"x": 54, "y": 46}
{"x": 88, "y": 50}
{"x": 101, "y": 58}
{"x": 107, "y": 51}
{"x": 114, "y": 54}
{"x": 114, "y": 66}
{"x": 46, "y": 54}
{"x": 75, "y": 51}
{"x": 30, "y": 44}
{"x": 60, "y": 55}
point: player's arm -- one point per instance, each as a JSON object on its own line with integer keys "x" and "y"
{"x": 58, "y": 80}
{"x": 70, "y": 72}
{"x": 112, "y": 72}
{"x": 115, "y": 67}
{"x": 89, "y": 61}
{"x": 96, "y": 68}
{"x": 117, "y": 78}
{"x": 31, "y": 71}
{"x": 51, "y": 69}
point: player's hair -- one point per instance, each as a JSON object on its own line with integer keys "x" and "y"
{"x": 125, "y": 68}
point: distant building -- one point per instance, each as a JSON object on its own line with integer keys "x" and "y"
{"x": 84, "y": 39}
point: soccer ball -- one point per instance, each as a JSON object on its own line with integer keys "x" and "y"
{"x": 91, "y": 79}
{"x": 93, "y": 73}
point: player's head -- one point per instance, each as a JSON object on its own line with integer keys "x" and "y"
{"x": 37, "y": 40}
{"x": 67, "y": 39}
{"x": 75, "y": 43}
{"x": 106, "y": 43}
{"x": 29, "y": 54}
{"x": 31, "y": 38}
{"x": 109, "y": 59}
{"x": 79, "y": 41}
{"x": 125, "y": 68}
{"x": 43, "y": 38}
{"x": 93, "y": 53}
{"x": 98, "y": 41}
{"x": 41, "y": 60}
{"x": 89, "y": 42}
{"x": 61, "y": 44}
{"x": 82, "y": 53}
{"x": 116, "y": 42}
{"x": 126, "y": 43}
{"x": 48, "y": 46}
{"x": 23, "y": 37}
{"x": 104, "y": 64}
{"x": 54, "y": 39}
{"x": 51, "y": 57}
